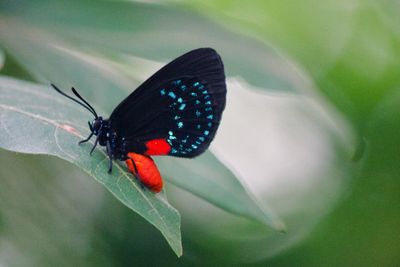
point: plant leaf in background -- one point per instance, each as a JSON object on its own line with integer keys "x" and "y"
{"x": 351, "y": 49}
{"x": 287, "y": 163}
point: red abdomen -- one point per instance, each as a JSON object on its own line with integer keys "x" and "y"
{"x": 146, "y": 170}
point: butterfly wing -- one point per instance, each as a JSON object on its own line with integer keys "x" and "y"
{"x": 177, "y": 110}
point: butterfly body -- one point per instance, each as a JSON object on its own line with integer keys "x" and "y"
{"x": 109, "y": 138}
{"x": 118, "y": 144}
{"x": 146, "y": 170}
{"x": 176, "y": 112}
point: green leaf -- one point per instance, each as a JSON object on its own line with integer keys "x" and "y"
{"x": 36, "y": 120}
{"x": 221, "y": 187}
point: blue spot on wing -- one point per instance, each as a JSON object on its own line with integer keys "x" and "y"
{"x": 172, "y": 94}
{"x": 190, "y": 106}
{"x": 182, "y": 106}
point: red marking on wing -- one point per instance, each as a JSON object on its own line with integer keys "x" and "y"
{"x": 157, "y": 147}
{"x": 146, "y": 170}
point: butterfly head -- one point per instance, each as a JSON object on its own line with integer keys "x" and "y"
{"x": 96, "y": 125}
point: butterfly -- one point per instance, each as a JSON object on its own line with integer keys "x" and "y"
{"x": 176, "y": 112}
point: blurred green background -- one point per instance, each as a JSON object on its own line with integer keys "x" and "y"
{"x": 314, "y": 82}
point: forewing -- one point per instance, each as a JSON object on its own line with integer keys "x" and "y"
{"x": 182, "y": 104}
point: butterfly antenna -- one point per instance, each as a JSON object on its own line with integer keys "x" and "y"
{"x": 88, "y": 107}
{"x": 84, "y": 101}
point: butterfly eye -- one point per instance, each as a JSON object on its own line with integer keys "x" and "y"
{"x": 96, "y": 125}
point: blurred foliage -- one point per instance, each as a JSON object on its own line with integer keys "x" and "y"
{"x": 352, "y": 51}
{"x": 349, "y": 48}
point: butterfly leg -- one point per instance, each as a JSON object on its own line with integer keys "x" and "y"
{"x": 134, "y": 164}
{"x": 95, "y": 144}
{"x": 109, "y": 153}
{"x": 87, "y": 139}
{"x": 90, "y": 136}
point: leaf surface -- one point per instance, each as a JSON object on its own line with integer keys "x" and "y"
{"x": 35, "y": 119}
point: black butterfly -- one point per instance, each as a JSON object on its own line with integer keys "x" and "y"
{"x": 175, "y": 112}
